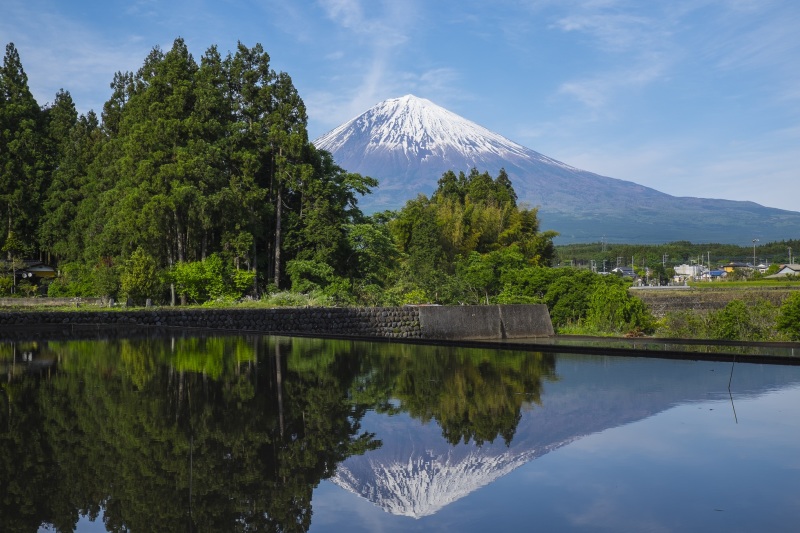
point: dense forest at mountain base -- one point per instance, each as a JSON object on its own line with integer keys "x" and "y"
{"x": 197, "y": 185}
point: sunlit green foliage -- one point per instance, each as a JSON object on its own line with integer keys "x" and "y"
{"x": 457, "y": 244}
{"x": 210, "y": 279}
{"x": 600, "y": 304}
{"x": 788, "y": 320}
{"x": 613, "y": 309}
{"x": 139, "y": 278}
{"x": 75, "y": 279}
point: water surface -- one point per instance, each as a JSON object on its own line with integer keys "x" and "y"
{"x": 251, "y": 433}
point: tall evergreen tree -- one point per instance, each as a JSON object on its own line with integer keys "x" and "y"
{"x": 288, "y": 139}
{"x": 251, "y": 84}
{"x": 23, "y": 157}
{"x": 75, "y": 141}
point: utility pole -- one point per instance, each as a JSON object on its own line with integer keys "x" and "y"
{"x": 790, "y": 255}
{"x": 754, "y": 253}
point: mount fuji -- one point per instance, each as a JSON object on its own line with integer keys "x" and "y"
{"x": 407, "y": 143}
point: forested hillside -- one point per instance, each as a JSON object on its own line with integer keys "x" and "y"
{"x": 187, "y": 159}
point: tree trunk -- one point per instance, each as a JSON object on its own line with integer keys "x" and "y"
{"x": 255, "y": 269}
{"x": 277, "y": 274}
{"x": 179, "y": 240}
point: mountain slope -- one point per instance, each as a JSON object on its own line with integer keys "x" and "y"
{"x": 407, "y": 143}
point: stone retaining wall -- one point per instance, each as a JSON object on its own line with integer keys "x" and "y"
{"x": 661, "y": 302}
{"x": 396, "y": 322}
{"x": 388, "y": 322}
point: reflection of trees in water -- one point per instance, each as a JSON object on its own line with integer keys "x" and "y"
{"x": 227, "y": 433}
{"x": 474, "y": 394}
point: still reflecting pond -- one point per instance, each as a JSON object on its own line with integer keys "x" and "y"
{"x": 236, "y": 433}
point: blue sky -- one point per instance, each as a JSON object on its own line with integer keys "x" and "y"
{"x": 691, "y": 97}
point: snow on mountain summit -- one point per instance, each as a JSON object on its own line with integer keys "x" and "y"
{"x": 419, "y": 128}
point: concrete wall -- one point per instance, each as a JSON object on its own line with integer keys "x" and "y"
{"x": 485, "y": 322}
{"x": 520, "y": 321}
{"x": 435, "y": 322}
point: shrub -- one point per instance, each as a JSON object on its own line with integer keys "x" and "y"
{"x": 6, "y": 285}
{"x": 613, "y": 309}
{"x": 318, "y": 278}
{"x": 578, "y": 299}
{"x": 106, "y": 280}
{"x": 414, "y": 296}
{"x": 287, "y": 299}
{"x": 210, "y": 280}
{"x": 307, "y": 276}
{"x": 733, "y": 323}
{"x": 788, "y": 321}
{"x": 75, "y": 280}
{"x": 139, "y": 279}
{"x": 685, "y": 324}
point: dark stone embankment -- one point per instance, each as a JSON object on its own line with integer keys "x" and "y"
{"x": 467, "y": 322}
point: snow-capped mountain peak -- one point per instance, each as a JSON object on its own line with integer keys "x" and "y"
{"x": 419, "y": 129}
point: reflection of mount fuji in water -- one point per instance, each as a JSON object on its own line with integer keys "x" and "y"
{"x": 417, "y": 472}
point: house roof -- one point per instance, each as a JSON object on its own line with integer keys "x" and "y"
{"x": 792, "y": 269}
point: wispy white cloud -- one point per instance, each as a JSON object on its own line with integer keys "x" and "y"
{"x": 597, "y": 91}
{"x": 762, "y": 36}
{"x": 373, "y": 36}
{"x": 385, "y": 28}
{"x": 613, "y": 31}
{"x": 632, "y": 47}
